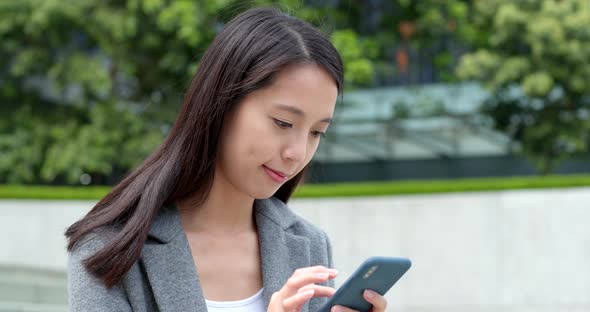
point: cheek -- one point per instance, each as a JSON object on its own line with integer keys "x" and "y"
{"x": 252, "y": 141}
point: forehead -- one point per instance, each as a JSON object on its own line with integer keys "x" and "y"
{"x": 307, "y": 87}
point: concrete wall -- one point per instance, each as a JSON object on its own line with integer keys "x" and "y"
{"x": 489, "y": 251}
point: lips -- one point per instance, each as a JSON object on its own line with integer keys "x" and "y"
{"x": 280, "y": 173}
{"x": 276, "y": 176}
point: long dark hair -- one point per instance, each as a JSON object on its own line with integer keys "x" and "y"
{"x": 243, "y": 57}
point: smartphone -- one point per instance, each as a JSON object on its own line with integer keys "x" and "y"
{"x": 377, "y": 274}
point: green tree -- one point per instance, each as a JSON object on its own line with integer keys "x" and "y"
{"x": 386, "y": 29}
{"x": 535, "y": 63}
{"x": 91, "y": 87}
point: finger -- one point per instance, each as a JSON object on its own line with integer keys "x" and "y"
{"x": 297, "y": 281}
{"x": 339, "y": 308}
{"x": 379, "y": 302}
{"x": 315, "y": 269}
{"x": 293, "y": 303}
{"x": 320, "y": 291}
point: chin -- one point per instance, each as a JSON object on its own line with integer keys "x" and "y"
{"x": 262, "y": 193}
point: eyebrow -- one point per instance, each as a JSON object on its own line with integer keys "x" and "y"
{"x": 299, "y": 112}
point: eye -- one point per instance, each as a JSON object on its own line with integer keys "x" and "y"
{"x": 318, "y": 134}
{"x": 282, "y": 124}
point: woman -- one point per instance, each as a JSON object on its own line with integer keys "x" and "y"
{"x": 203, "y": 222}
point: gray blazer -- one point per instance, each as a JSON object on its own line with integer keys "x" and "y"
{"x": 165, "y": 277}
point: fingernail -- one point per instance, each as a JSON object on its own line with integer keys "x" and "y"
{"x": 369, "y": 293}
{"x": 333, "y": 271}
{"x": 335, "y": 309}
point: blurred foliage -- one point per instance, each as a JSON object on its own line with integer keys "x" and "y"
{"x": 393, "y": 32}
{"x": 90, "y": 87}
{"x": 535, "y": 62}
{"x": 358, "y": 68}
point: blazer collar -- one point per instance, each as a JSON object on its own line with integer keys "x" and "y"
{"x": 170, "y": 267}
{"x": 167, "y": 225}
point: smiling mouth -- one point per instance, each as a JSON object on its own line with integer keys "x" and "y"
{"x": 278, "y": 172}
{"x": 275, "y": 175}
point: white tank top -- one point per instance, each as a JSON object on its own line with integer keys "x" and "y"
{"x": 252, "y": 304}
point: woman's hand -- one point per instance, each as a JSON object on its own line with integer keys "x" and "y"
{"x": 301, "y": 287}
{"x": 379, "y": 303}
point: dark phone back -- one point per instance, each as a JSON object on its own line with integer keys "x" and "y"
{"x": 386, "y": 271}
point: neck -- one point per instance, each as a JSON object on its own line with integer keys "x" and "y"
{"x": 224, "y": 211}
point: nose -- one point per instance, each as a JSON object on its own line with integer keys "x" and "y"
{"x": 296, "y": 149}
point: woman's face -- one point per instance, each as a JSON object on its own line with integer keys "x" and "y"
{"x": 273, "y": 132}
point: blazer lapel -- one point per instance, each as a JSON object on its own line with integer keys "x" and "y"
{"x": 173, "y": 277}
{"x": 281, "y": 252}
{"x": 170, "y": 267}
